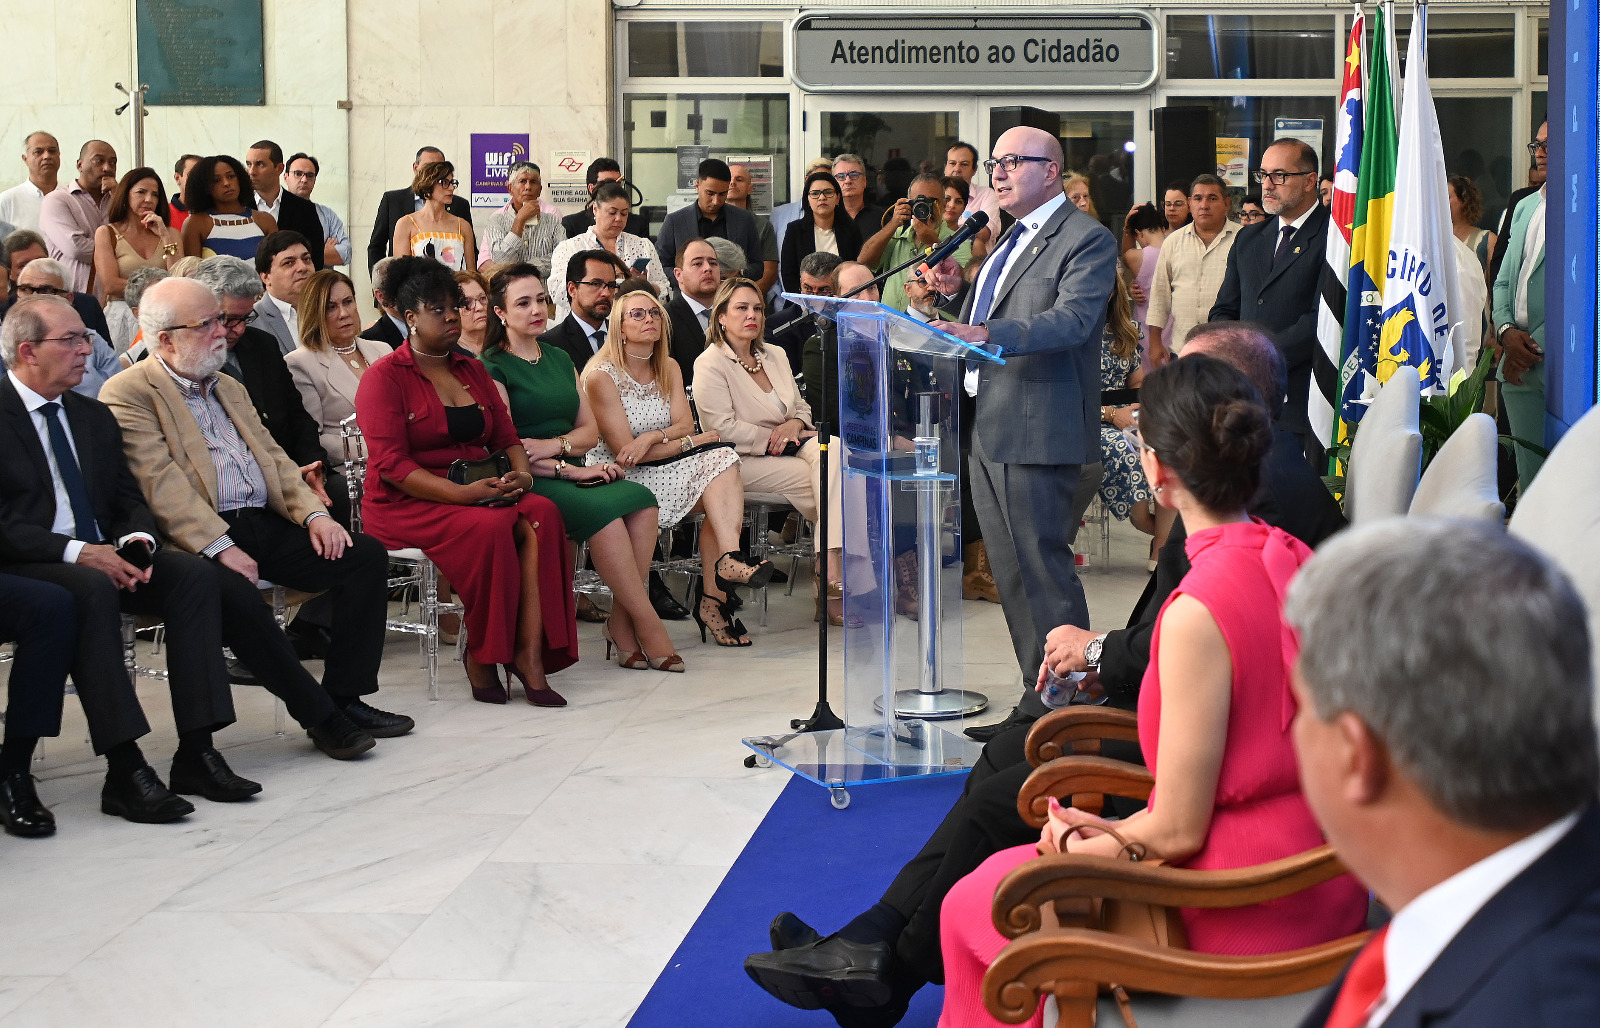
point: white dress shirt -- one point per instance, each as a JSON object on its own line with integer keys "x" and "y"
{"x": 1532, "y": 247}
{"x": 19, "y": 205}
{"x": 405, "y": 330}
{"x": 291, "y": 316}
{"x": 64, "y": 523}
{"x": 271, "y": 208}
{"x": 1025, "y": 228}
{"x": 588, "y": 330}
{"x": 1423, "y": 928}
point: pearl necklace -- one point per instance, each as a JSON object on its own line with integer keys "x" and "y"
{"x": 345, "y": 352}
{"x": 636, "y": 356}
{"x": 753, "y": 371}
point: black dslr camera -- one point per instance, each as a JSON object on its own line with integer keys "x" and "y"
{"x": 924, "y": 209}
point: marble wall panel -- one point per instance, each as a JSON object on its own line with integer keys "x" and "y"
{"x": 386, "y": 66}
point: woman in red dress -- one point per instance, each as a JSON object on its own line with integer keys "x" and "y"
{"x": 422, "y": 407}
{"x": 1214, "y": 707}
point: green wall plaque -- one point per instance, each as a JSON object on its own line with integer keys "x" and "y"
{"x": 202, "y": 52}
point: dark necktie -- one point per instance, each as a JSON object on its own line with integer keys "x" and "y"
{"x": 599, "y": 338}
{"x": 1283, "y": 243}
{"x": 985, "y": 300}
{"x": 71, "y": 476}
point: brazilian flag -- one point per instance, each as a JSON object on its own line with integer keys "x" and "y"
{"x": 1369, "y": 236}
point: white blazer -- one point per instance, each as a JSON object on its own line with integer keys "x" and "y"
{"x": 328, "y": 389}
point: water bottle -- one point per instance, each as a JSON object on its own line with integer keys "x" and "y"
{"x": 1059, "y": 690}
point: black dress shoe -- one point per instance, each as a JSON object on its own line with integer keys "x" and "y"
{"x": 789, "y": 932}
{"x": 667, "y": 606}
{"x": 310, "y": 642}
{"x": 827, "y": 973}
{"x": 238, "y": 674}
{"x": 21, "y": 810}
{"x": 206, "y": 774}
{"x": 339, "y": 738}
{"x": 380, "y": 724}
{"x": 141, "y": 798}
{"x": 983, "y": 733}
{"x": 778, "y": 577}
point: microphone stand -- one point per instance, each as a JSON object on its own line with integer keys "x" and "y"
{"x": 822, "y": 717}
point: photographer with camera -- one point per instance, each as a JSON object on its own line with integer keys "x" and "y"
{"x": 916, "y": 225}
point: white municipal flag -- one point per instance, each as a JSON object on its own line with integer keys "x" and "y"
{"x": 1421, "y": 325}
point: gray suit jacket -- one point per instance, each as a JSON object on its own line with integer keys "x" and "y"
{"x": 270, "y": 319}
{"x": 1043, "y": 405}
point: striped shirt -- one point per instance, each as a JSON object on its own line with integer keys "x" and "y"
{"x": 240, "y": 482}
{"x": 1187, "y": 279}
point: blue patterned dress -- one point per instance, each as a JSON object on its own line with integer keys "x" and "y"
{"x": 1124, "y": 484}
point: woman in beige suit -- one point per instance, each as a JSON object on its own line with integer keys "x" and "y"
{"x": 746, "y": 393}
{"x": 328, "y": 365}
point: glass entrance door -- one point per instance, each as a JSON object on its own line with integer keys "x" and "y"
{"x": 1104, "y": 139}
{"x": 899, "y": 137}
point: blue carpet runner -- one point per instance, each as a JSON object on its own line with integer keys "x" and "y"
{"x": 827, "y": 866}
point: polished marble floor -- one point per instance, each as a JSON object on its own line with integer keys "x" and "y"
{"x": 500, "y": 865}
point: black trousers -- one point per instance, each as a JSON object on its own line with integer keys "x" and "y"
{"x": 42, "y": 620}
{"x": 357, "y": 582}
{"x": 983, "y": 822}
{"x": 183, "y": 592}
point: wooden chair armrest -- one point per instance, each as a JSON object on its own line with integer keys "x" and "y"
{"x": 1055, "y": 734}
{"x": 1074, "y": 876}
{"x": 1080, "y": 776}
{"x": 1074, "y": 962}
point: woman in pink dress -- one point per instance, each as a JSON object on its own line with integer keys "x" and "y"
{"x": 1214, "y": 708}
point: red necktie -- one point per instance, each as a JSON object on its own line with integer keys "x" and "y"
{"x": 1363, "y": 986}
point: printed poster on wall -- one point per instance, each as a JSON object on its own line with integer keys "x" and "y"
{"x": 760, "y": 168}
{"x": 1233, "y": 161}
{"x": 566, "y": 178}
{"x": 1307, "y": 130}
{"x": 493, "y": 153}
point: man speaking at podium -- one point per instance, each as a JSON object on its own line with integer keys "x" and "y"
{"x": 1039, "y": 301}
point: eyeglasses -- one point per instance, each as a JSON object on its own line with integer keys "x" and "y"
{"x": 597, "y": 283}
{"x": 43, "y": 290}
{"x": 849, "y": 176}
{"x": 1011, "y": 162}
{"x": 475, "y": 304}
{"x": 235, "y": 320}
{"x": 1278, "y": 177}
{"x": 451, "y": 182}
{"x": 72, "y": 339}
{"x": 820, "y": 194}
{"x": 1134, "y": 438}
{"x": 1251, "y": 217}
{"x": 1538, "y": 146}
{"x": 643, "y": 314}
{"x": 213, "y": 322}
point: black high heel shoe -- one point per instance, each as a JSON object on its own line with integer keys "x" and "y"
{"x": 751, "y": 576}
{"x": 726, "y": 630}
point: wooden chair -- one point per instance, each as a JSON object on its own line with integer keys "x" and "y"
{"x": 1043, "y": 906}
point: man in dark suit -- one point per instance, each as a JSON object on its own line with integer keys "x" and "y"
{"x": 42, "y": 620}
{"x": 1040, "y": 302}
{"x": 397, "y": 203}
{"x": 900, "y": 936}
{"x": 602, "y": 169}
{"x": 72, "y": 514}
{"x": 712, "y": 215}
{"x": 389, "y": 328}
{"x": 1478, "y": 828}
{"x": 592, "y": 280}
{"x": 698, "y": 273}
{"x": 264, "y": 163}
{"x": 1273, "y": 271}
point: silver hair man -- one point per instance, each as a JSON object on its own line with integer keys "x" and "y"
{"x": 139, "y": 281}
{"x": 47, "y": 267}
{"x": 230, "y": 276}
{"x": 25, "y": 324}
{"x": 1466, "y": 653}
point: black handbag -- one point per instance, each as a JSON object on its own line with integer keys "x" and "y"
{"x": 702, "y": 448}
{"x": 466, "y": 472}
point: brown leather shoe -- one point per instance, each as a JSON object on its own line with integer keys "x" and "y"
{"x": 977, "y": 580}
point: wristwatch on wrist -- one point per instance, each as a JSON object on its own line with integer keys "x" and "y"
{"x": 566, "y": 446}
{"x": 688, "y": 444}
{"x": 1091, "y": 651}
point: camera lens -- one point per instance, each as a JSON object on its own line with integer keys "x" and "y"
{"x": 923, "y": 209}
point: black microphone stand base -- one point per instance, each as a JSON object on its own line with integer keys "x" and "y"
{"x": 822, "y": 719}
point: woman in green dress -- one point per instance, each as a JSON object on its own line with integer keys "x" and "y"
{"x": 617, "y": 517}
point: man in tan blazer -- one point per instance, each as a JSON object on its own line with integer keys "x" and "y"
{"x": 219, "y": 486}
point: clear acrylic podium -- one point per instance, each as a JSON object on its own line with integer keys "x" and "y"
{"x": 898, "y": 427}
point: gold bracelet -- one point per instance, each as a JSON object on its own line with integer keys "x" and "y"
{"x": 566, "y": 446}
{"x": 561, "y": 466}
